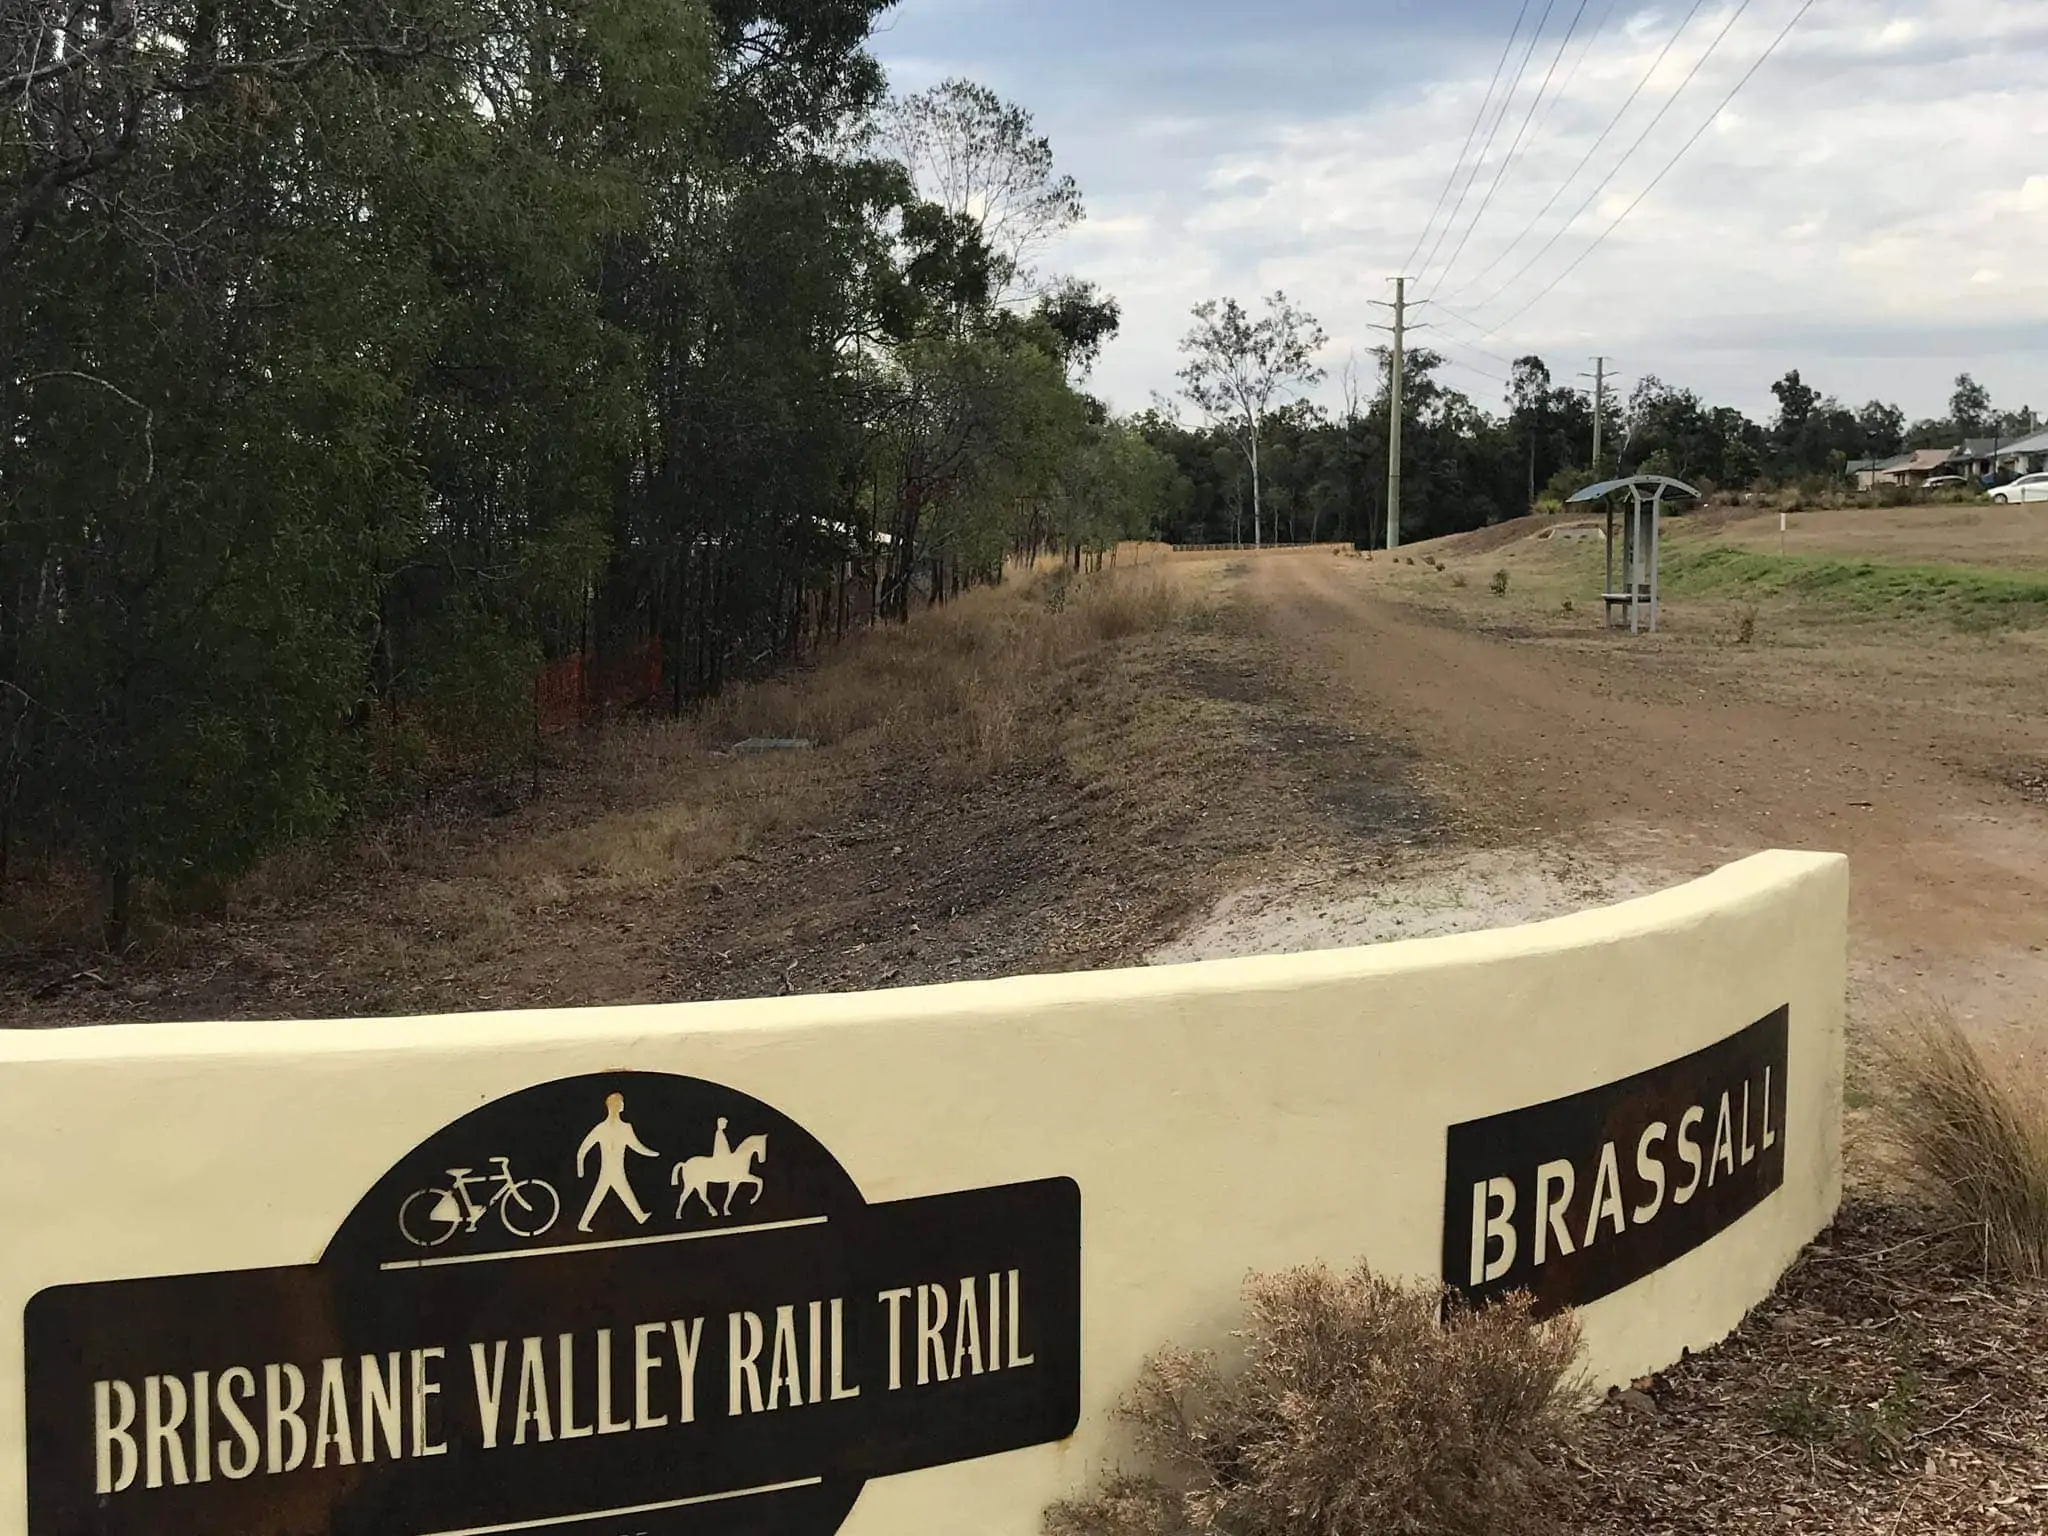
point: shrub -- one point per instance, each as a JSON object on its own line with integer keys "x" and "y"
{"x": 1745, "y": 626}
{"x": 1500, "y": 583}
{"x": 1567, "y": 483}
{"x": 1460, "y": 579}
{"x": 1361, "y": 1406}
{"x": 1976, "y": 1146}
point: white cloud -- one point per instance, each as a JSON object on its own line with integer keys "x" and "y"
{"x": 1872, "y": 212}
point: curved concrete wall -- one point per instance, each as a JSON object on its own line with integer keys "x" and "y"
{"x": 1217, "y": 1119}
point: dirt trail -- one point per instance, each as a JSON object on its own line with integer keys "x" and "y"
{"x": 1632, "y": 748}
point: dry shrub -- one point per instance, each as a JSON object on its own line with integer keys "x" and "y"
{"x": 1975, "y": 1144}
{"x": 1130, "y": 605}
{"x": 1361, "y": 1407}
{"x": 960, "y": 678}
{"x": 1499, "y": 585}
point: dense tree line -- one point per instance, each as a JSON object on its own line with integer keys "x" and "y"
{"x": 1320, "y": 473}
{"x": 358, "y": 355}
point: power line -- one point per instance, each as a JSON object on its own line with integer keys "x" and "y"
{"x": 1708, "y": 122}
{"x": 1520, "y": 133}
{"x": 1606, "y": 14}
{"x": 1459, "y": 362}
{"x": 1669, "y": 102}
{"x": 1587, "y": 158}
{"x": 1470, "y": 133}
{"x": 1472, "y": 346}
{"x": 1480, "y": 159}
{"x": 1453, "y": 362}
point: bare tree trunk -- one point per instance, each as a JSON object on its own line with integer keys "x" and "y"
{"x": 1256, "y": 544}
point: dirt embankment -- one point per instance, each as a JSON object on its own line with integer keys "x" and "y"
{"x": 1055, "y": 775}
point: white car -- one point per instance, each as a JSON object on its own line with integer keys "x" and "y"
{"x": 2026, "y": 488}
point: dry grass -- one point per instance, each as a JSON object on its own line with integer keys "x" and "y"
{"x": 1974, "y": 1144}
{"x": 959, "y": 677}
{"x": 954, "y": 697}
{"x": 1360, "y": 1406}
{"x": 1977, "y": 533}
{"x": 951, "y": 695}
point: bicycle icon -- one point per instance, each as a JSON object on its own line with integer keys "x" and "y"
{"x": 526, "y": 1207}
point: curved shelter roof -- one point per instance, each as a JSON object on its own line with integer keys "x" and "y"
{"x": 1657, "y": 484}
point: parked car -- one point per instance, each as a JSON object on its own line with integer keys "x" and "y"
{"x": 2026, "y": 488}
{"x": 1943, "y": 482}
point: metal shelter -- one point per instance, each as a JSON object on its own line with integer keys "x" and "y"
{"x": 1640, "y": 535}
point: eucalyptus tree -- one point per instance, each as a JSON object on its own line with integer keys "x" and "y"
{"x": 981, "y": 158}
{"x": 1239, "y": 368}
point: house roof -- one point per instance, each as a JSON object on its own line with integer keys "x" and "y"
{"x": 1896, "y": 461}
{"x": 1988, "y": 448}
{"x": 1926, "y": 458}
{"x": 2038, "y": 443}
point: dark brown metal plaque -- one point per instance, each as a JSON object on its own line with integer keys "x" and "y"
{"x": 629, "y": 1304}
{"x": 1574, "y": 1199}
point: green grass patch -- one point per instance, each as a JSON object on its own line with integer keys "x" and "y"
{"x": 1969, "y": 597}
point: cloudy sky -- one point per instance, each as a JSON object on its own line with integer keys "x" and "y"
{"x": 1871, "y": 208}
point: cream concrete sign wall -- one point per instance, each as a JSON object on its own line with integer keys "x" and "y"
{"x": 878, "y": 1263}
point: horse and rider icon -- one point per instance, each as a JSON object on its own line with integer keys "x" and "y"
{"x": 728, "y": 1165}
{"x": 613, "y": 1138}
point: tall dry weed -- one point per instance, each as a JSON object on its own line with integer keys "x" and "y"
{"x": 1130, "y": 605}
{"x": 1360, "y": 1406}
{"x": 1975, "y": 1142}
{"x": 959, "y": 678}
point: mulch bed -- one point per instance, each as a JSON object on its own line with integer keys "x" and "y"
{"x": 1886, "y": 1386}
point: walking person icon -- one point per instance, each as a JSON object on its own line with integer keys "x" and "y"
{"x": 612, "y": 1138}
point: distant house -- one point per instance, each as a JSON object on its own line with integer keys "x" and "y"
{"x": 1905, "y": 469}
{"x": 1870, "y": 472}
{"x": 1975, "y": 458}
{"x": 2027, "y": 456}
{"x": 1982, "y": 457}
